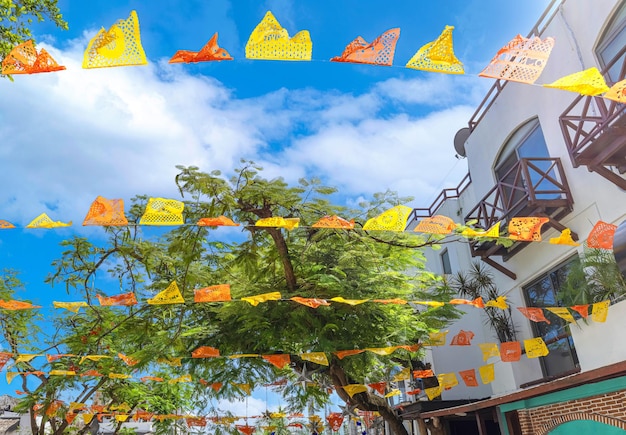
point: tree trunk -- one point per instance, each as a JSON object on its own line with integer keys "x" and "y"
{"x": 366, "y": 401}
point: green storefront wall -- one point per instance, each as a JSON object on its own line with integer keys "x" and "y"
{"x": 580, "y": 427}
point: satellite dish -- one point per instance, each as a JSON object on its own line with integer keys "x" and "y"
{"x": 459, "y": 141}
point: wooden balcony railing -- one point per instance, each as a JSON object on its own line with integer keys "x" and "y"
{"x": 594, "y": 129}
{"x": 532, "y": 187}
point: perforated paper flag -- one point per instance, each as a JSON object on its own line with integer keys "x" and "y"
{"x": 270, "y": 41}
{"x": 379, "y": 387}
{"x": 565, "y": 238}
{"x": 280, "y": 360}
{"x": 478, "y": 302}
{"x": 17, "y": 305}
{"x": 246, "y": 430}
{"x": 315, "y": 357}
{"x": 6, "y": 225}
{"x": 119, "y": 376}
{"x": 74, "y": 307}
{"x": 393, "y": 219}
{"x": 379, "y": 52}
{"x": 62, "y": 373}
{"x": 161, "y": 211}
{"x": 129, "y": 361}
{"x": 256, "y": 300}
{"x": 489, "y": 350}
{"x": 171, "y": 361}
{"x": 437, "y": 224}
{"x": 125, "y": 299}
{"x": 535, "y": 347}
{"x": 434, "y": 304}
{"x": 210, "y": 52}
{"x": 246, "y": 388}
{"x": 43, "y": 221}
{"x": 180, "y": 380}
{"x": 220, "y": 221}
{"x": 396, "y": 301}
{"x": 534, "y": 314}
{"x": 437, "y": 56}
{"x": 599, "y": 311}
{"x": 278, "y": 222}
{"x": 499, "y": 302}
{"x": 353, "y": 389}
{"x": 334, "y": 222}
{"x": 487, "y": 373}
{"x": 601, "y": 236}
{"x": 421, "y": 374}
{"x": 521, "y": 60}
{"x": 24, "y": 59}
{"x": 526, "y": 229}
{"x": 348, "y": 301}
{"x": 119, "y": 46}
{"x": 562, "y": 312}
{"x": 106, "y": 212}
{"x": 510, "y": 351}
{"x": 335, "y": 420}
{"x": 494, "y": 232}
{"x": 310, "y": 302}
{"x": 433, "y": 392}
{"x": 437, "y": 338}
{"x": 447, "y": 380}
{"x": 205, "y": 352}
{"x": 341, "y": 354}
{"x": 463, "y": 338}
{"x": 213, "y": 293}
{"x": 583, "y": 310}
{"x": 171, "y": 295}
{"x": 588, "y": 82}
{"x": 617, "y": 92}
{"x": 469, "y": 377}
{"x": 394, "y": 392}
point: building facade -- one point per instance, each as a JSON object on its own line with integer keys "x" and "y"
{"x": 559, "y": 157}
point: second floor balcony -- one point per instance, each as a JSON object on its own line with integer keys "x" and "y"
{"x": 594, "y": 129}
{"x": 532, "y": 187}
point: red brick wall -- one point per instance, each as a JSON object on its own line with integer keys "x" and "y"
{"x": 606, "y": 408}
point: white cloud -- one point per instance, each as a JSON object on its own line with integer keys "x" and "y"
{"x": 117, "y": 132}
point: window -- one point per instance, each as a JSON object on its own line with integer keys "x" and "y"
{"x": 445, "y": 262}
{"x": 543, "y": 293}
{"x": 526, "y": 142}
{"x": 612, "y": 41}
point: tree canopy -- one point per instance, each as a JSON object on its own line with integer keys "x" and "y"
{"x": 18, "y": 16}
{"x": 159, "y": 340}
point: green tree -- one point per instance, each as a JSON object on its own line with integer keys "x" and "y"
{"x": 306, "y": 262}
{"x": 17, "y": 17}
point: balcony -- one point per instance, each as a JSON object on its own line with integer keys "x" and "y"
{"x": 594, "y": 129}
{"x": 533, "y": 187}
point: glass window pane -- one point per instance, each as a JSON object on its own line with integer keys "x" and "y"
{"x": 445, "y": 262}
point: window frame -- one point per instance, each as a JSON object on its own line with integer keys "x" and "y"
{"x": 616, "y": 26}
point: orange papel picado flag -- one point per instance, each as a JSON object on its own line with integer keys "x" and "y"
{"x": 601, "y": 236}
{"x": 6, "y": 225}
{"x": 588, "y": 82}
{"x": 437, "y": 224}
{"x": 526, "y": 229}
{"x": 341, "y": 354}
{"x": 510, "y": 351}
{"x": 171, "y": 295}
{"x": 129, "y": 361}
{"x": 334, "y": 222}
{"x": 463, "y": 338}
{"x": 617, "y": 92}
{"x": 478, "y": 302}
{"x": 24, "y": 59}
{"x": 210, "y": 52}
{"x": 162, "y": 211}
{"x": 125, "y": 299}
{"x": 534, "y": 314}
{"x": 310, "y": 302}
{"x": 17, "y": 305}
{"x": 205, "y": 352}
{"x": 335, "y": 420}
{"x": 106, "y": 212}
{"x": 270, "y": 41}
{"x": 521, "y": 60}
{"x": 393, "y": 219}
{"x": 379, "y": 52}
{"x": 220, "y": 221}
{"x": 278, "y": 360}
{"x": 438, "y": 55}
{"x": 213, "y": 293}
{"x": 119, "y": 46}
{"x": 469, "y": 377}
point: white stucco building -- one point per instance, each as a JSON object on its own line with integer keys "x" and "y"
{"x": 534, "y": 151}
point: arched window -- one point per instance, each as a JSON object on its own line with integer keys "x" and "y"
{"x": 612, "y": 41}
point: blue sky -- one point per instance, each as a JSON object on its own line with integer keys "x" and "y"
{"x": 76, "y": 134}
